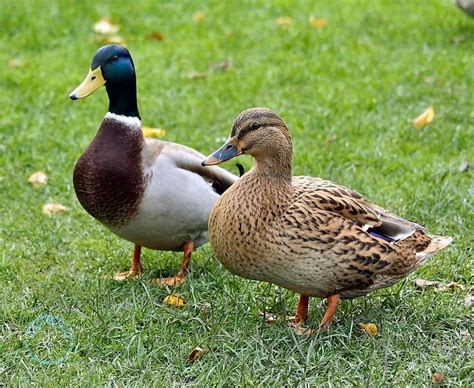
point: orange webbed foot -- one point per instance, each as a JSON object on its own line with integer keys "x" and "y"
{"x": 136, "y": 268}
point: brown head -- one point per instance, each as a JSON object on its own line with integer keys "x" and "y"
{"x": 258, "y": 132}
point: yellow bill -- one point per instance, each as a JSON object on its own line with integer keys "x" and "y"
{"x": 93, "y": 81}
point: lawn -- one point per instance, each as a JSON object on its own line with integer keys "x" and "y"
{"x": 348, "y": 90}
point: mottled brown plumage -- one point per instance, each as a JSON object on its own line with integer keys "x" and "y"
{"x": 306, "y": 234}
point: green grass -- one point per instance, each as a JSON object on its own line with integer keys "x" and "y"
{"x": 359, "y": 81}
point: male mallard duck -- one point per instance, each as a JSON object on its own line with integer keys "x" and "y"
{"x": 306, "y": 234}
{"x": 153, "y": 193}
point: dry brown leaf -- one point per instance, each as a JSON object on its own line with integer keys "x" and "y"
{"x": 317, "y": 22}
{"x": 422, "y": 283}
{"x": 38, "y": 179}
{"x": 438, "y": 286}
{"x": 437, "y": 378}
{"x": 197, "y": 74}
{"x": 369, "y": 328}
{"x": 464, "y": 166}
{"x": 300, "y": 330}
{"x": 425, "y": 118}
{"x": 272, "y": 318}
{"x": 269, "y": 317}
{"x": 16, "y": 62}
{"x": 156, "y": 35}
{"x": 284, "y": 21}
{"x": 460, "y": 39}
{"x": 196, "y": 353}
{"x": 199, "y": 16}
{"x": 224, "y": 65}
{"x": 105, "y": 26}
{"x": 153, "y": 132}
{"x": 466, "y": 335}
{"x": 430, "y": 80}
{"x": 330, "y": 139}
{"x": 450, "y": 286}
{"x": 111, "y": 39}
{"x": 50, "y": 209}
{"x": 174, "y": 300}
{"x": 469, "y": 299}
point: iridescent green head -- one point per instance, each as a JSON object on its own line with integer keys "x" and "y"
{"x": 113, "y": 67}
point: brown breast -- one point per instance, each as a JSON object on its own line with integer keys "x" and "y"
{"x": 108, "y": 177}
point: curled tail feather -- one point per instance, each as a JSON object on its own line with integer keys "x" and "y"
{"x": 415, "y": 250}
{"x": 436, "y": 244}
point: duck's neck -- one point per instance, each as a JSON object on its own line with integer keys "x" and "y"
{"x": 277, "y": 165}
{"x": 270, "y": 184}
{"x": 119, "y": 123}
{"x": 277, "y": 170}
{"x": 123, "y": 98}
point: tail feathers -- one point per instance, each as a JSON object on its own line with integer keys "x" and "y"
{"x": 436, "y": 244}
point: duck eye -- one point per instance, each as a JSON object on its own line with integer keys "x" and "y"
{"x": 255, "y": 125}
{"x": 114, "y": 57}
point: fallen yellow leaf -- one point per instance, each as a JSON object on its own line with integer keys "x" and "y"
{"x": 317, "y": 22}
{"x": 199, "y": 16}
{"x": 174, "y": 300}
{"x": 111, "y": 39}
{"x": 153, "y": 132}
{"x": 16, "y": 62}
{"x": 197, "y": 74}
{"x": 437, "y": 378}
{"x": 284, "y": 21}
{"x": 38, "y": 179}
{"x": 105, "y": 26}
{"x": 196, "y": 353}
{"x": 451, "y": 286}
{"x": 369, "y": 328}
{"x": 425, "y": 118}
{"x": 156, "y": 35}
{"x": 51, "y": 209}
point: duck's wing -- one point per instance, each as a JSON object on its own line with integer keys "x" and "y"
{"x": 373, "y": 219}
{"x": 188, "y": 159}
{"x": 358, "y": 246}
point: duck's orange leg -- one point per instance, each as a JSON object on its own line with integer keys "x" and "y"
{"x": 136, "y": 268}
{"x": 180, "y": 277}
{"x": 301, "y": 310}
{"x": 333, "y": 301}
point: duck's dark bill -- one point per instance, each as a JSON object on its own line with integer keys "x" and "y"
{"x": 226, "y": 152}
{"x": 93, "y": 81}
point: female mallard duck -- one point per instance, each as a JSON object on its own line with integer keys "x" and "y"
{"x": 306, "y": 234}
{"x": 153, "y": 193}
